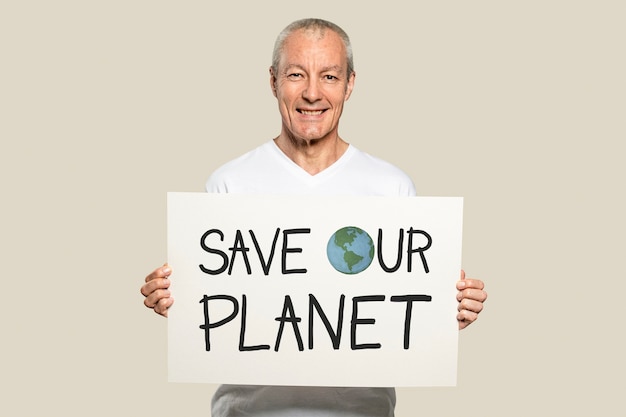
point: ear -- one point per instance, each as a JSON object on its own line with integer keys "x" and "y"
{"x": 273, "y": 81}
{"x": 350, "y": 85}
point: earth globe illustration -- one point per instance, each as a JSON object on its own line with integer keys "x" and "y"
{"x": 350, "y": 250}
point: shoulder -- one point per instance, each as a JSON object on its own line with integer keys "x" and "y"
{"x": 382, "y": 172}
{"x": 374, "y": 162}
{"x": 241, "y": 168}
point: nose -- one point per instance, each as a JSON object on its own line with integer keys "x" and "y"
{"x": 311, "y": 92}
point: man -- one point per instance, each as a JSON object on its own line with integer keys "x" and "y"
{"x": 311, "y": 77}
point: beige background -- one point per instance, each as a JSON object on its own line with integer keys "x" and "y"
{"x": 516, "y": 106}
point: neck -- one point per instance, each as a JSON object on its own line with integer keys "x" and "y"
{"x": 312, "y": 156}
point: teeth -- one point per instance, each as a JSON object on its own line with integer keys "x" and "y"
{"x": 311, "y": 112}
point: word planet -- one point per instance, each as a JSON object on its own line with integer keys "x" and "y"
{"x": 350, "y": 250}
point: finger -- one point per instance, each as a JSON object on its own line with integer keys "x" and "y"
{"x": 153, "y": 285}
{"x": 465, "y": 318}
{"x": 155, "y": 297}
{"x": 161, "y": 272}
{"x": 162, "y": 307}
{"x": 472, "y": 294}
{"x": 470, "y": 305}
{"x": 469, "y": 283}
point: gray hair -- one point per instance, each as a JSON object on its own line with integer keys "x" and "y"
{"x": 312, "y": 24}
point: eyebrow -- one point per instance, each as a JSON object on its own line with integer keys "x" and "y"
{"x": 333, "y": 68}
{"x": 324, "y": 69}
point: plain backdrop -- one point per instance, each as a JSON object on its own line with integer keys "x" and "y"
{"x": 519, "y": 107}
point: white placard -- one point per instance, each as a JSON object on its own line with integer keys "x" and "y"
{"x": 323, "y": 291}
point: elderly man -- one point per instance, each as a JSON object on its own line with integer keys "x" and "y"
{"x": 311, "y": 76}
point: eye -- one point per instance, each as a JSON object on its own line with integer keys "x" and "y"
{"x": 294, "y": 75}
{"x": 330, "y": 78}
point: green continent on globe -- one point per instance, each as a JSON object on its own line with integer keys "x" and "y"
{"x": 350, "y": 250}
{"x": 351, "y": 259}
{"x": 344, "y": 238}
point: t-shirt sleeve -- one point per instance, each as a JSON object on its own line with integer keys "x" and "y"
{"x": 215, "y": 184}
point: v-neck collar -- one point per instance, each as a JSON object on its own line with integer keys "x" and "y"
{"x": 297, "y": 170}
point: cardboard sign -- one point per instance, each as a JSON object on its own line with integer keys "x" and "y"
{"x": 324, "y": 291}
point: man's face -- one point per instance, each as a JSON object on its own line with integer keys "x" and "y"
{"x": 311, "y": 85}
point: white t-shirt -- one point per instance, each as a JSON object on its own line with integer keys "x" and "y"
{"x": 267, "y": 170}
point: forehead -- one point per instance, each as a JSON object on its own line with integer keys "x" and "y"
{"x": 307, "y": 46}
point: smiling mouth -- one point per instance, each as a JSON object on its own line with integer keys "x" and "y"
{"x": 310, "y": 112}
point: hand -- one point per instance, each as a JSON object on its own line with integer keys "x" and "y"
{"x": 156, "y": 290}
{"x": 471, "y": 297}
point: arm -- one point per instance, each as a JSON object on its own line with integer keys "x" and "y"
{"x": 471, "y": 297}
{"x": 156, "y": 290}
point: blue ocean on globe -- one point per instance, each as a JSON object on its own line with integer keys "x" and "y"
{"x": 350, "y": 250}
